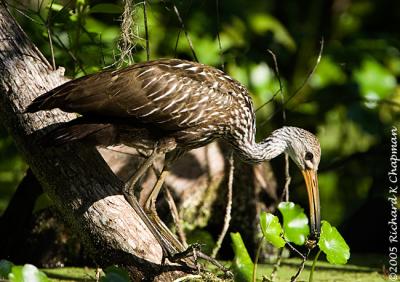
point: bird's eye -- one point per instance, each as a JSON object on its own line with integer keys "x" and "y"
{"x": 309, "y": 156}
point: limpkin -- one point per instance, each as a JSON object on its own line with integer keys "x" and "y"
{"x": 168, "y": 107}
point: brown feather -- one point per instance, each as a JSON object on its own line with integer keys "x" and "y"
{"x": 187, "y": 100}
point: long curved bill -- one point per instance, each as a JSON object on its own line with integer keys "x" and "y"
{"x": 310, "y": 177}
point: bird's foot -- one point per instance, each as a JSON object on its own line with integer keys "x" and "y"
{"x": 312, "y": 241}
{"x": 186, "y": 257}
{"x": 194, "y": 251}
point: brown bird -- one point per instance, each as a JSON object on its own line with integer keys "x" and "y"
{"x": 168, "y": 107}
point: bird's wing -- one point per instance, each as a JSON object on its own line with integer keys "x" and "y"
{"x": 171, "y": 94}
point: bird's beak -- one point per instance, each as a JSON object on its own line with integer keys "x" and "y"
{"x": 310, "y": 177}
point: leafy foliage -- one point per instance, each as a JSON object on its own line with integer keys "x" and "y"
{"x": 19, "y": 273}
{"x": 5, "y": 268}
{"x": 272, "y": 229}
{"x": 296, "y": 230}
{"x": 295, "y": 223}
{"x": 242, "y": 263}
{"x": 115, "y": 274}
{"x": 333, "y": 245}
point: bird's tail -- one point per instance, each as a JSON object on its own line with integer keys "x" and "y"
{"x": 81, "y": 129}
{"x": 47, "y": 100}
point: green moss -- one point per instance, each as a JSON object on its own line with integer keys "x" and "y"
{"x": 325, "y": 271}
{"x": 359, "y": 269}
{"x": 71, "y": 274}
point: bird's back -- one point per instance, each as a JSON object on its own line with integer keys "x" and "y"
{"x": 191, "y": 101}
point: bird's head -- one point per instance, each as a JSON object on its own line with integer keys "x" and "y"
{"x": 304, "y": 149}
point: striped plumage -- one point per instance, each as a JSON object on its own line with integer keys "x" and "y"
{"x": 179, "y": 102}
{"x": 190, "y": 102}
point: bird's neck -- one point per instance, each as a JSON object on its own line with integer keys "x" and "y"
{"x": 267, "y": 149}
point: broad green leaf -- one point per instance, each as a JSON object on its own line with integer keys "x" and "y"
{"x": 56, "y": 7}
{"x": 271, "y": 229}
{"x": 295, "y": 223}
{"x": 333, "y": 244}
{"x": 106, "y": 8}
{"x": 238, "y": 73}
{"x": 233, "y": 34}
{"x": 263, "y": 23}
{"x": 27, "y": 273}
{"x": 115, "y": 274}
{"x": 375, "y": 80}
{"x": 328, "y": 72}
{"x": 5, "y": 268}
{"x": 242, "y": 263}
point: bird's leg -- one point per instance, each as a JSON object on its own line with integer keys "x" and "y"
{"x": 128, "y": 192}
{"x": 140, "y": 171}
{"x": 150, "y": 209}
{"x": 183, "y": 252}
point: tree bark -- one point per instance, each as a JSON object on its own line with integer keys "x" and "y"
{"x": 75, "y": 176}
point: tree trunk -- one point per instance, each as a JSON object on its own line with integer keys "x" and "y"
{"x": 75, "y": 177}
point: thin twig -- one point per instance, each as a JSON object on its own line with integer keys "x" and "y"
{"x": 301, "y": 268}
{"x": 280, "y": 90}
{"x": 25, "y": 14}
{"x": 260, "y": 243}
{"x": 303, "y": 256}
{"x": 179, "y": 32}
{"x": 228, "y": 210}
{"x": 311, "y": 73}
{"x": 310, "y": 279}
{"x": 269, "y": 101}
{"x": 207, "y": 163}
{"x": 175, "y": 215}
{"x": 288, "y": 179}
{"x": 176, "y": 44}
{"x": 40, "y": 57}
{"x": 277, "y": 265}
{"x": 185, "y": 31}
{"x": 98, "y": 273}
{"x": 194, "y": 250}
{"x": 298, "y": 90}
{"x": 216, "y": 263}
{"x": 69, "y": 52}
{"x": 287, "y": 174}
{"x": 146, "y": 30}
{"x": 294, "y": 249}
{"x": 103, "y": 63}
{"x": 48, "y": 24}
{"x": 276, "y": 70}
{"x": 189, "y": 277}
{"x": 219, "y": 38}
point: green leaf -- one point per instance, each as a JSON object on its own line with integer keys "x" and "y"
{"x": 333, "y": 244}
{"x": 106, "y": 8}
{"x": 271, "y": 229}
{"x": 55, "y": 7}
{"x": 375, "y": 80}
{"x": 242, "y": 263}
{"x": 295, "y": 223}
{"x": 328, "y": 72}
{"x": 27, "y": 273}
{"x": 115, "y": 274}
{"x": 5, "y": 268}
{"x": 263, "y": 23}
